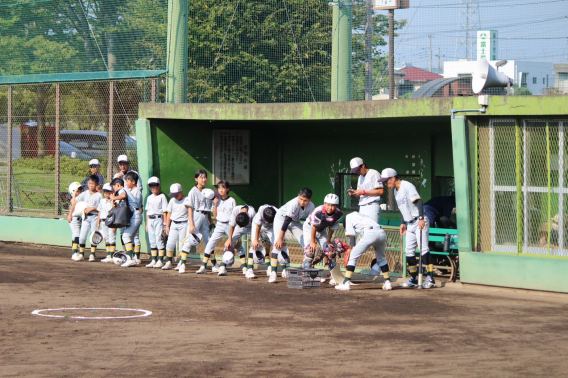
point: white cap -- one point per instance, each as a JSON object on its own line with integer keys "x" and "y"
{"x": 355, "y": 163}
{"x": 123, "y": 158}
{"x": 107, "y": 188}
{"x": 94, "y": 162}
{"x": 153, "y": 181}
{"x": 175, "y": 189}
{"x": 208, "y": 194}
{"x": 387, "y": 173}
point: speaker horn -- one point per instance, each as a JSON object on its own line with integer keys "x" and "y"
{"x": 485, "y": 76}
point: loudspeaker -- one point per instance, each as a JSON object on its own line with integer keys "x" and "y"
{"x": 485, "y": 76}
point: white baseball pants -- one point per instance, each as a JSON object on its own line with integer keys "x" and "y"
{"x": 413, "y": 238}
{"x": 372, "y": 238}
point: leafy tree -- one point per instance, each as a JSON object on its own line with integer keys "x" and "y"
{"x": 521, "y": 91}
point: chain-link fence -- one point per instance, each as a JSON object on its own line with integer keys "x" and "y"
{"x": 523, "y": 186}
{"x": 55, "y": 130}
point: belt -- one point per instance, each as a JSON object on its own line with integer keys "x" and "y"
{"x": 203, "y": 212}
{"x": 413, "y": 220}
{"x": 178, "y": 222}
{"x": 154, "y": 216}
{"x": 223, "y": 222}
{"x": 103, "y": 219}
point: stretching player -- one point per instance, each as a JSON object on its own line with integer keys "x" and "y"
{"x": 92, "y": 198}
{"x": 315, "y": 227}
{"x": 223, "y": 207}
{"x": 156, "y": 207}
{"x": 262, "y": 223}
{"x": 369, "y": 189}
{"x": 288, "y": 218}
{"x": 176, "y": 225}
{"x": 109, "y": 234}
{"x": 414, "y": 225}
{"x": 239, "y": 225}
{"x": 372, "y": 235}
{"x": 75, "y": 189}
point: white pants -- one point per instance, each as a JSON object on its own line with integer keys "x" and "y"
{"x": 238, "y": 232}
{"x": 176, "y": 236}
{"x": 108, "y": 234}
{"x": 321, "y": 237}
{"x": 371, "y": 210}
{"x": 295, "y": 227}
{"x": 155, "y": 227}
{"x": 88, "y": 224}
{"x": 201, "y": 223}
{"x": 413, "y": 238}
{"x": 128, "y": 233}
{"x": 374, "y": 237}
{"x": 75, "y": 227}
{"x": 221, "y": 230}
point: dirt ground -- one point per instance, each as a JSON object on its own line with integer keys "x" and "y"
{"x": 230, "y": 326}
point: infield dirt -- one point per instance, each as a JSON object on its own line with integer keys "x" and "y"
{"x": 205, "y": 325}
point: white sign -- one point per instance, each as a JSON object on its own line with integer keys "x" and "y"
{"x": 390, "y": 4}
{"x": 231, "y": 156}
{"x": 487, "y": 44}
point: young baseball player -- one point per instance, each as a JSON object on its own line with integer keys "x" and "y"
{"x": 95, "y": 167}
{"x": 156, "y": 210}
{"x": 324, "y": 217}
{"x": 369, "y": 189}
{"x": 89, "y": 223}
{"x": 414, "y": 225}
{"x": 75, "y": 189}
{"x": 129, "y": 195}
{"x": 199, "y": 209}
{"x": 262, "y": 225}
{"x": 288, "y": 218}
{"x": 109, "y": 234}
{"x": 239, "y": 225}
{"x": 372, "y": 235}
{"x": 176, "y": 225}
{"x": 223, "y": 206}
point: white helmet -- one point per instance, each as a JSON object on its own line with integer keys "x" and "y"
{"x": 228, "y": 258}
{"x": 193, "y": 239}
{"x": 96, "y": 238}
{"x": 332, "y": 199}
{"x": 208, "y": 194}
{"x": 74, "y": 186}
{"x": 80, "y": 209}
{"x": 120, "y": 257}
{"x": 283, "y": 256}
{"x": 258, "y": 255}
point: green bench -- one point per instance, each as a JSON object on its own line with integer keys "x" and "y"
{"x": 445, "y": 259}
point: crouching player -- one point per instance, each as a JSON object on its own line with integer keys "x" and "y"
{"x": 262, "y": 224}
{"x": 156, "y": 210}
{"x": 372, "y": 235}
{"x": 109, "y": 234}
{"x": 240, "y": 224}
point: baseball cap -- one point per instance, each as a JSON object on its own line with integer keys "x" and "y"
{"x": 387, "y": 173}
{"x": 175, "y": 189}
{"x": 153, "y": 181}
{"x": 94, "y": 162}
{"x": 355, "y": 164}
{"x": 107, "y": 188}
{"x": 123, "y": 158}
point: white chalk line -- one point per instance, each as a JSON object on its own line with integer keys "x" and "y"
{"x": 143, "y": 313}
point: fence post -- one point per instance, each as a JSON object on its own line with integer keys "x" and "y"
{"x": 57, "y": 149}
{"x": 154, "y": 86}
{"x": 9, "y": 162}
{"x": 110, "y": 131}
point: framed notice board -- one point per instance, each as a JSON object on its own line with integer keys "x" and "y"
{"x": 231, "y": 156}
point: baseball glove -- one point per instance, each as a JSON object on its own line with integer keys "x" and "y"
{"x": 164, "y": 236}
{"x": 318, "y": 256}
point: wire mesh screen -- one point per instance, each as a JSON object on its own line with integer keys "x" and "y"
{"x": 522, "y": 186}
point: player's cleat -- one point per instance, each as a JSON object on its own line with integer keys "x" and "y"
{"x": 201, "y": 270}
{"x": 181, "y": 269}
{"x": 410, "y": 284}
{"x": 268, "y": 271}
{"x": 167, "y": 265}
{"x": 429, "y": 283}
{"x": 178, "y": 265}
{"x": 137, "y": 260}
{"x": 387, "y": 285}
{"x": 245, "y": 269}
{"x": 107, "y": 259}
{"x": 215, "y": 268}
{"x": 332, "y": 282}
{"x": 79, "y": 257}
{"x": 158, "y": 264}
{"x": 284, "y": 274}
{"x": 74, "y": 256}
{"x": 128, "y": 263}
{"x": 344, "y": 286}
{"x": 272, "y": 278}
{"x": 92, "y": 257}
{"x": 222, "y": 271}
{"x": 250, "y": 274}
{"x": 151, "y": 265}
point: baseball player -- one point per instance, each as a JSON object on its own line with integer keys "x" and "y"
{"x": 288, "y": 218}
{"x": 315, "y": 227}
{"x": 262, "y": 225}
{"x": 95, "y": 167}
{"x": 369, "y": 189}
{"x": 156, "y": 207}
{"x": 239, "y": 225}
{"x": 199, "y": 215}
{"x": 414, "y": 225}
{"x": 75, "y": 189}
{"x": 109, "y": 234}
{"x": 176, "y": 225}
{"x": 372, "y": 235}
{"x": 89, "y": 223}
{"x": 223, "y": 207}
{"x": 129, "y": 195}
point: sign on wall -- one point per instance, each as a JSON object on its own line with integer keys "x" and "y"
{"x": 231, "y": 156}
{"x": 390, "y": 4}
{"x": 487, "y": 44}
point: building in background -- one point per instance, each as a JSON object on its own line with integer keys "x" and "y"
{"x": 414, "y": 78}
{"x": 561, "y": 77}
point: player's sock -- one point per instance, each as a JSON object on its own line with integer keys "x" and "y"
{"x": 169, "y": 255}
{"x": 93, "y": 250}
{"x": 82, "y": 249}
{"x": 184, "y": 257}
{"x": 386, "y": 273}
{"x": 213, "y": 260}
{"x": 161, "y": 254}
{"x": 205, "y": 260}
{"x": 274, "y": 262}
{"x": 349, "y": 273}
{"x": 283, "y": 266}
{"x": 154, "y": 253}
{"x": 412, "y": 269}
{"x": 75, "y": 246}
{"x": 243, "y": 260}
{"x": 112, "y": 248}
{"x": 250, "y": 262}
{"x": 129, "y": 249}
{"x": 137, "y": 250}
{"x": 429, "y": 265}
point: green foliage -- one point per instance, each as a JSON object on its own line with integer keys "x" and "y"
{"x": 67, "y": 166}
{"x": 406, "y": 95}
{"x": 521, "y": 91}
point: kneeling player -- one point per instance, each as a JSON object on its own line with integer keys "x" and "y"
{"x": 262, "y": 224}
{"x": 240, "y": 224}
{"x": 372, "y": 235}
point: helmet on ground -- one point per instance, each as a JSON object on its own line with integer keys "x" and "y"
{"x": 74, "y": 186}
{"x": 332, "y": 199}
{"x": 229, "y": 257}
{"x": 283, "y": 256}
{"x": 120, "y": 257}
{"x": 96, "y": 238}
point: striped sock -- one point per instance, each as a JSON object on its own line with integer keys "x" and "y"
{"x": 250, "y": 261}
{"x": 274, "y": 262}
{"x": 154, "y": 253}
{"x": 169, "y": 255}
{"x": 82, "y": 249}
{"x": 161, "y": 254}
{"x": 93, "y": 250}
{"x": 243, "y": 260}
{"x": 184, "y": 256}
{"x": 205, "y": 260}
{"x": 349, "y": 273}
{"x": 128, "y": 247}
{"x": 137, "y": 249}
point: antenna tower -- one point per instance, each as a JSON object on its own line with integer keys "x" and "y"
{"x": 468, "y": 25}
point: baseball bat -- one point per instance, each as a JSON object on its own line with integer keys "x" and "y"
{"x": 420, "y": 261}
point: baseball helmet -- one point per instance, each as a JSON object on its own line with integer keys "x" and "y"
{"x": 74, "y": 186}
{"x": 193, "y": 239}
{"x": 120, "y": 257}
{"x": 229, "y": 257}
{"x": 283, "y": 256}
{"x": 80, "y": 209}
{"x": 375, "y": 268}
{"x": 96, "y": 238}
{"x": 332, "y": 199}
{"x": 258, "y": 255}
{"x": 208, "y": 194}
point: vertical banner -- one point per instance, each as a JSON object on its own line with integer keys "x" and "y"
{"x": 231, "y": 156}
{"x": 487, "y": 44}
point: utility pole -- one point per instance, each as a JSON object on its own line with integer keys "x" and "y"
{"x": 439, "y": 55}
{"x": 430, "y": 36}
{"x": 391, "y": 54}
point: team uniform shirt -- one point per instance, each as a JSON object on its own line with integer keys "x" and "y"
{"x": 85, "y": 182}
{"x": 322, "y": 220}
{"x": 104, "y": 207}
{"x": 177, "y": 210}
{"x": 134, "y": 197}
{"x": 224, "y": 209}
{"x": 293, "y": 210}
{"x": 138, "y": 184}
{"x": 356, "y": 223}
{"x": 369, "y": 182}
{"x": 197, "y": 201}
{"x": 259, "y": 217}
{"x": 405, "y": 197}
{"x": 92, "y": 200}
{"x": 237, "y": 210}
{"x": 156, "y": 204}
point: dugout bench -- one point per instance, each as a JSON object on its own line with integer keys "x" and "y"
{"x": 444, "y": 253}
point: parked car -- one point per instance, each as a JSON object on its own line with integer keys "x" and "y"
{"x": 94, "y": 143}
{"x": 66, "y": 149}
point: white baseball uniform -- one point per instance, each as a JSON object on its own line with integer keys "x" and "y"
{"x": 369, "y": 205}
{"x": 372, "y": 235}
{"x": 224, "y": 209}
{"x": 75, "y": 226}
{"x": 293, "y": 210}
{"x": 156, "y": 206}
{"x": 266, "y": 229}
{"x": 90, "y": 221}
{"x": 179, "y": 224}
{"x": 201, "y": 209}
{"x": 104, "y": 207}
{"x": 238, "y": 230}
{"x": 405, "y": 197}
{"x": 322, "y": 221}
{"x": 135, "y": 202}
{"x": 138, "y": 183}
